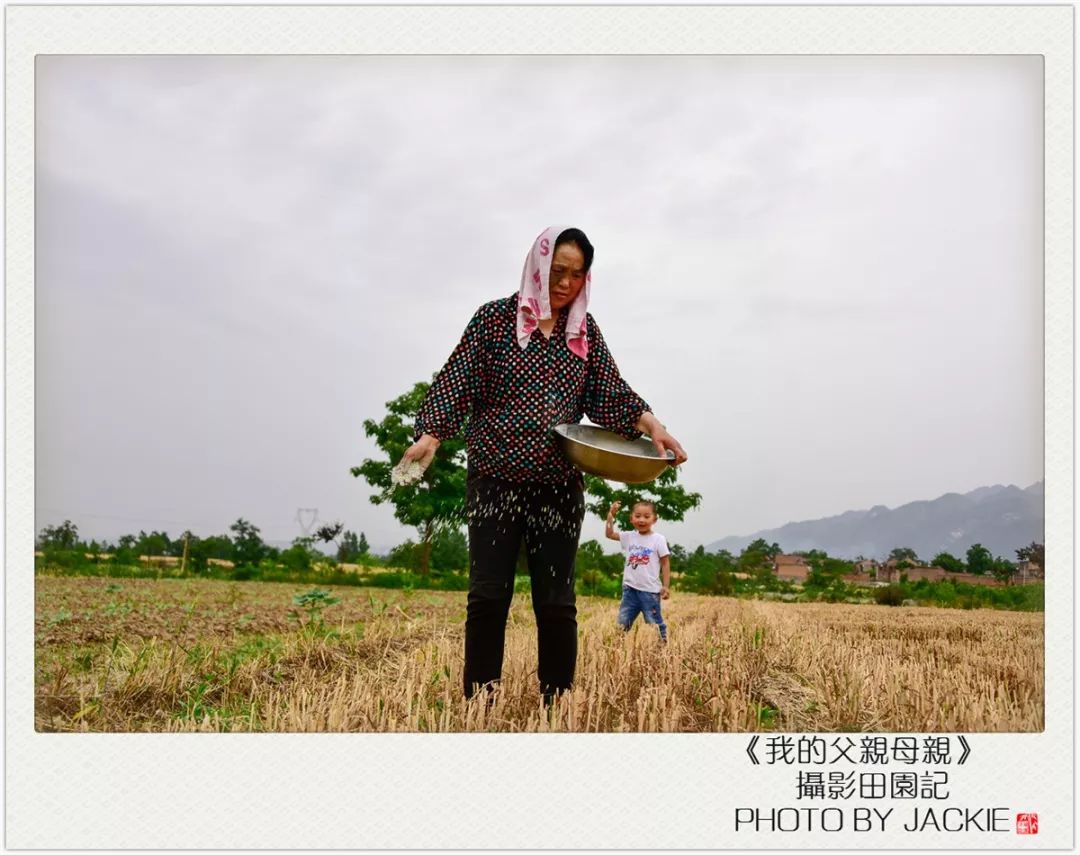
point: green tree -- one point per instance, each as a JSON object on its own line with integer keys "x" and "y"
{"x": 330, "y": 533}
{"x": 724, "y": 583}
{"x": 669, "y": 498}
{"x": 979, "y": 560}
{"x": 1033, "y": 552}
{"x": 589, "y": 565}
{"x": 699, "y": 565}
{"x": 176, "y": 547}
{"x": 301, "y": 554}
{"x": 63, "y": 536}
{"x": 248, "y": 547}
{"x": 949, "y": 563}
{"x": 202, "y": 549}
{"x": 904, "y": 553}
{"x": 770, "y": 550}
{"x": 450, "y": 550}
{"x": 710, "y": 573}
{"x": 1003, "y": 570}
{"x": 154, "y": 543}
{"x": 678, "y": 559}
{"x": 405, "y": 556}
{"x": 826, "y": 571}
{"x": 613, "y": 564}
{"x": 125, "y": 553}
{"x": 756, "y": 560}
{"x": 353, "y": 548}
{"x": 892, "y": 595}
{"x": 434, "y": 503}
{"x": 196, "y": 558}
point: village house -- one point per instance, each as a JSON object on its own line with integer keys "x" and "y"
{"x": 867, "y": 568}
{"x": 890, "y": 567}
{"x": 863, "y": 579}
{"x": 790, "y": 568}
{"x": 936, "y": 574}
{"x": 914, "y": 574}
{"x": 866, "y": 572}
{"x": 971, "y": 579}
{"x": 1028, "y": 571}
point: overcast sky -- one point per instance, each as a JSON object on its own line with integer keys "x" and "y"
{"x": 823, "y": 273}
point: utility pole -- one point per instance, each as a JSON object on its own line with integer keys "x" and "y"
{"x": 307, "y": 526}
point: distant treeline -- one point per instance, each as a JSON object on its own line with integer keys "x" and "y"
{"x": 242, "y": 555}
{"x": 243, "y": 547}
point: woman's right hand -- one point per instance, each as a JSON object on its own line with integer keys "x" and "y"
{"x": 423, "y": 450}
{"x": 614, "y": 509}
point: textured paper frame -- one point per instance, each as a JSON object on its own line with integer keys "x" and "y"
{"x": 495, "y": 791}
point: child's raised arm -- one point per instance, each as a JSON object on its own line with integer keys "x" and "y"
{"x": 609, "y": 530}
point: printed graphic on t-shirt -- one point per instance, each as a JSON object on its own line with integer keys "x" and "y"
{"x": 643, "y": 553}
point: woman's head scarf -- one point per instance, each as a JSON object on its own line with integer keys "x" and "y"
{"x": 534, "y": 303}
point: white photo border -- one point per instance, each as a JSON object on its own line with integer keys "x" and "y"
{"x": 499, "y": 790}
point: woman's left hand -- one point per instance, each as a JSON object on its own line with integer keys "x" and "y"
{"x": 664, "y": 441}
{"x": 661, "y": 438}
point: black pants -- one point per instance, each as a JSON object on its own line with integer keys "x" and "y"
{"x": 548, "y": 518}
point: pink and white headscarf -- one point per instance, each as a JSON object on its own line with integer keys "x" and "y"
{"x": 534, "y": 304}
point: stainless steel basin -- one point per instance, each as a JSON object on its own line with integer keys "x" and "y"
{"x": 601, "y": 452}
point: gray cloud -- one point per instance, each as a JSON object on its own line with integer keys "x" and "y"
{"x": 824, "y": 273}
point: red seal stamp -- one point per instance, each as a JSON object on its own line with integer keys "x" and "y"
{"x": 1027, "y": 823}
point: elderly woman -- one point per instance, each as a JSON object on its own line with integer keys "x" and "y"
{"x": 525, "y": 364}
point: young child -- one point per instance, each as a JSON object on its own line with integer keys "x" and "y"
{"x": 646, "y": 556}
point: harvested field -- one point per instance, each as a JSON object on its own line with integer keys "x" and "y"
{"x": 186, "y": 654}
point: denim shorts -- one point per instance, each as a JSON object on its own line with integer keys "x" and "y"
{"x": 646, "y": 602}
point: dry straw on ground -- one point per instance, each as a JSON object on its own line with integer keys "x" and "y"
{"x": 181, "y": 655}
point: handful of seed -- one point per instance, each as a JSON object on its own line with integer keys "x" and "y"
{"x": 407, "y": 473}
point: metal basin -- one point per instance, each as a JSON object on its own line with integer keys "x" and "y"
{"x": 601, "y": 452}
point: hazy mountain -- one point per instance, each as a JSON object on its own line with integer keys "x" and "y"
{"x": 1000, "y": 518}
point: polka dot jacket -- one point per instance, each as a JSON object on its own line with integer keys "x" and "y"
{"x": 513, "y": 397}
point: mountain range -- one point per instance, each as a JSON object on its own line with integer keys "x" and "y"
{"x": 1001, "y": 518}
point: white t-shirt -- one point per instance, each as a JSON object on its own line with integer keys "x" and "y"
{"x": 642, "y": 553}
